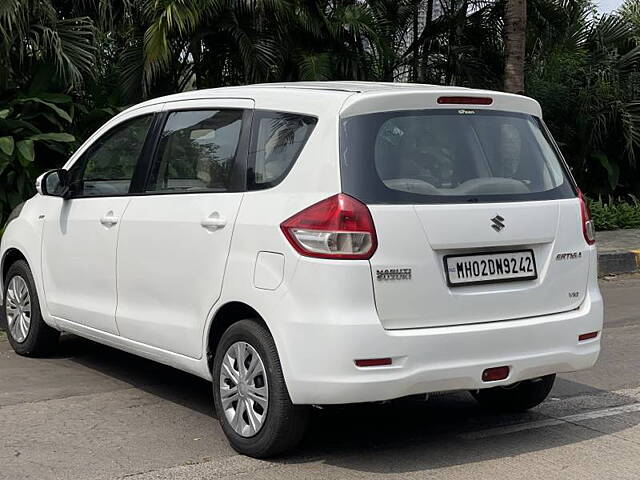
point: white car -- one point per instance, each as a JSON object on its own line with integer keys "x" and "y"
{"x": 316, "y": 243}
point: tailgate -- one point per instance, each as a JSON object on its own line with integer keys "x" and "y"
{"x": 408, "y": 269}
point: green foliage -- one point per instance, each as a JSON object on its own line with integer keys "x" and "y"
{"x": 615, "y": 214}
{"x": 68, "y": 66}
{"x": 35, "y": 32}
{"x": 32, "y": 140}
{"x": 584, "y": 70}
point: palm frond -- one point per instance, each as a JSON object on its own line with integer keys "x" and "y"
{"x": 630, "y": 119}
{"x": 131, "y": 68}
{"x": 315, "y": 66}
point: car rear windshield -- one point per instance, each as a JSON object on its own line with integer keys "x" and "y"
{"x": 450, "y": 156}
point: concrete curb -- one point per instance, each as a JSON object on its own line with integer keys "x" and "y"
{"x": 612, "y": 263}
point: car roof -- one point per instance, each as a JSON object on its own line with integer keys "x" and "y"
{"x": 356, "y": 86}
{"x": 348, "y": 97}
{"x": 339, "y": 88}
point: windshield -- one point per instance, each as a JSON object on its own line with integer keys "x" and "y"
{"x": 450, "y": 156}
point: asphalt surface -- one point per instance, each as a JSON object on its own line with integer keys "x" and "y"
{"x": 92, "y": 412}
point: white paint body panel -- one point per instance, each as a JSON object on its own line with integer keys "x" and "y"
{"x": 153, "y": 285}
{"x": 24, "y": 235}
{"x": 433, "y": 231}
{"x": 165, "y": 304}
{"x": 79, "y": 260}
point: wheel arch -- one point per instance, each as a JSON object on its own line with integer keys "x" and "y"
{"x": 228, "y": 314}
{"x": 11, "y": 256}
{"x": 14, "y": 251}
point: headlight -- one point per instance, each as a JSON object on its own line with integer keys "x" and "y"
{"x": 14, "y": 214}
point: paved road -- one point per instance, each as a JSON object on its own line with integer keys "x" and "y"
{"x": 95, "y": 413}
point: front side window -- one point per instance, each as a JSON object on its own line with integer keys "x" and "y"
{"x": 449, "y": 156}
{"x": 107, "y": 167}
{"x": 197, "y": 151}
{"x": 276, "y": 141}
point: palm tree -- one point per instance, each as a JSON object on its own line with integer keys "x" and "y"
{"x": 585, "y": 71}
{"x": 33, "y": 33}
{"x": 219, "y": 42}
{"x": 515, "y": 24}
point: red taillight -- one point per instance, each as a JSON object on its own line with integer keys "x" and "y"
{"x": 339, "y": 227}
{"x": 465, "y": 100}
{"x": 588, "y": 228}
{"x": 373, "y": 362}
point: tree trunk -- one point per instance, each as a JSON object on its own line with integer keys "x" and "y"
{"x": 459, "y": 15}
{"x": 515, "y": 23}
{"x": 426, "y": 49}
{"x": 451, "y": 41}
{"x": 416, "y": 44}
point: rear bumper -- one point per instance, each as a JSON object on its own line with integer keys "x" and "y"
{"x": 321, "y": 370}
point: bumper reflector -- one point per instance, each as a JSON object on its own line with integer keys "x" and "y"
{"x": 494, "y": 374}
{"x": 587, "y": 336}
{"x": 373, "y": 362}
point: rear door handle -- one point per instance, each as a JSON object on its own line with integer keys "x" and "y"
{"x": 213, "y": 222}
{"x": 109, "y": 220}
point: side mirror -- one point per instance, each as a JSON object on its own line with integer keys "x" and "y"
{"x": 54, "y": 183}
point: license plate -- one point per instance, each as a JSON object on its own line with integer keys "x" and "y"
{"x": 490, "y": 267}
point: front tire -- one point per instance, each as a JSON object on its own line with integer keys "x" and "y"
{"x": 27, "y": 333}
{"x": 517, "y": 398}
{"x": 250, "y": 395}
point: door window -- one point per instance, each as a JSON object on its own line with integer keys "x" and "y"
{"x": 108, "y": 166}
{"x": 197, "y": 151}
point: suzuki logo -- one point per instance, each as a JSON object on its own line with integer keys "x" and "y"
{"x": 496, "y": 223}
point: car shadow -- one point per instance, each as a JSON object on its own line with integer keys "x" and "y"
{"x": 446, "y": 431}
{"x": 402, "y": 436}
{"x": 154, "y": 378}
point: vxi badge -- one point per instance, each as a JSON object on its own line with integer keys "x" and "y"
{"x": 496, "y": 223}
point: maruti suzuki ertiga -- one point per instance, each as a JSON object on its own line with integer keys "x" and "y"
{"x": 316, "y": 243}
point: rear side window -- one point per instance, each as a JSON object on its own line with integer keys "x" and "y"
{"x": 197, "y": 151}
{"x": 276, "y": 141}
{"x": 450, "y": 156}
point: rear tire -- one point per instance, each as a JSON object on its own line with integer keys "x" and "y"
{"x": 27, "y": 333}
{"x": 518, "y": 398}
{"x": 281, "y": 424}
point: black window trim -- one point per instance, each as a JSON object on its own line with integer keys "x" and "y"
{"x": 148, "y": 142}
{"x": 251, "y": 186}
{"x": 239, "y": 175}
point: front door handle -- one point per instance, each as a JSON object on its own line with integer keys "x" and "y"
{"x": 109, "y": 220}
{"x": 213, "y": 222}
